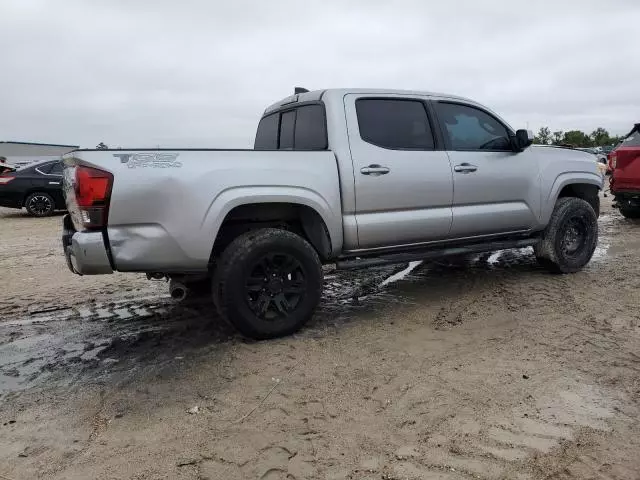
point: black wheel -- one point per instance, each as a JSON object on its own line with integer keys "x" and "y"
{"x": 268, "y": 283}
{"x": 630, "y": 212}
{"x": 39, "y": 205}
{"x": 570, "y": 238}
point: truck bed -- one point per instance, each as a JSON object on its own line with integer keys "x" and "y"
{"x": 167, "y": 205}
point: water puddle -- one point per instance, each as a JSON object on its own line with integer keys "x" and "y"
{"x": 127, "y": 331}
{"x": 401, "y": 274}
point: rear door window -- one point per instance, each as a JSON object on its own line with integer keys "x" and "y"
{"x": 394, "y": 123}
{"x": 45, "y": 168}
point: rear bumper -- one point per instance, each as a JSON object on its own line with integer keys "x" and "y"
{"x": 633, "y": 191}
{"x": 85, "y": 252}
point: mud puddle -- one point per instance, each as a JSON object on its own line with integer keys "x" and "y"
{"x": 61, "y": 343}
{"x": 97, "y": 339}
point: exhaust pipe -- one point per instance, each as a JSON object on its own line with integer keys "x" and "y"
{"x": 178, "y": 291}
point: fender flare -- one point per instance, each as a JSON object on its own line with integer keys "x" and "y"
{"x": 561, "y": 181}
{"x": 234, "y": 197}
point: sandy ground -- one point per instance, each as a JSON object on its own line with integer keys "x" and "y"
{"x": 493, "y": 369}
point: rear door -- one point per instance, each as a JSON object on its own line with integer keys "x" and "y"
{"x": 496, "y": 190}
{"x": 48, "y": 179}
{"x": 403, "y": 180}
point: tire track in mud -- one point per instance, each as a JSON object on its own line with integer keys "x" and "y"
{"x": 97, "y": 335}
{"x": 523, "y": 442}
{"x": 114, "y": 336}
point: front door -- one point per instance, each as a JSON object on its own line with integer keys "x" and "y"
{"x": 496, "y": 190}
{"x": 403, "y": 182}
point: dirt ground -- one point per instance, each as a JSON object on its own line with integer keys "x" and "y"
{"x": 492, "y": 369}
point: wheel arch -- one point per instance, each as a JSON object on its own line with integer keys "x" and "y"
{"x": 298, "y": 217}
{"x": 585, "y": 186}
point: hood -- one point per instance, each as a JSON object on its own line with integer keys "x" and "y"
{"x": 563, "y": 152}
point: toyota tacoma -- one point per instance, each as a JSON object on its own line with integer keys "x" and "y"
{"x": 351, "y": 177}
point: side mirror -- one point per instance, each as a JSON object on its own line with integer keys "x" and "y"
{"x": 524, "y": 138}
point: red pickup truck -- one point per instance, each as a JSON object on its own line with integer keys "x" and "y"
{"x": 625, "y": 179}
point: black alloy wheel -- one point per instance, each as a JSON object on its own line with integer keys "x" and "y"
{"x": 39, "y": 205}
{"x": 275, "y": 285}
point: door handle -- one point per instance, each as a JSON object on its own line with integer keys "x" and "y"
{"x": 54, "y": 183}
{"x": 465, "y": 168}
{"x": 374, "y": 170}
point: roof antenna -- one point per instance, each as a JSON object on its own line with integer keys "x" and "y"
{"x": 297, "y": 90}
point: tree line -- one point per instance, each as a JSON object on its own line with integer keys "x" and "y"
{"x": 576, "y": 138}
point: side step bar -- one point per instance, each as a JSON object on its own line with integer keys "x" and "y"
{"x": 404, "y": 257}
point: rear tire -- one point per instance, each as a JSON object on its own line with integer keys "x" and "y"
{"x": 630, "y": 212}
{"x": 39, "y": 204}
{"x": 268, "y": 283}
{"x": 570, "y": 238}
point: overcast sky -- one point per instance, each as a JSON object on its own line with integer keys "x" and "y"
{"x": 200, "y": 72}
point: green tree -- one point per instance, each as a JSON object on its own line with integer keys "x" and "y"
{"x": 543, "y": 137}
{"x": 102, "y": 146}
{"x": 576, "y": 138}
{"x": 557, "y": 137}
{"x": 600, "y": 137}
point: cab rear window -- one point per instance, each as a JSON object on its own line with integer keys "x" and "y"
{"x": 633, "y": 139}
{"x": 267, "y": 135}
{"x": 300, "y": 128}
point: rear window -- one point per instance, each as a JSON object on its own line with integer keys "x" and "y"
{"x": 633, "y": 140}
{"x": 394, "y": 124}
{"x": 311, "y": 130}
{"x": 287, "y": 124}
{"x": 267, "y": 134}
{"x": 301, "y": 128}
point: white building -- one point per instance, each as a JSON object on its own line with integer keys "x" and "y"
{"x": 23, "y": 153}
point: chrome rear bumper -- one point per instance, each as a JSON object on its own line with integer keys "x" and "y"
{"x": 85, "y": 252}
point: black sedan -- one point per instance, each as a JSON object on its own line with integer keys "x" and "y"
{"x": 38, "y": 188}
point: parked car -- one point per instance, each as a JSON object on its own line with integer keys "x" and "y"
{"x": 37, "y": 188}
{"x": 355, "y": 178}
{"x": 625, "y": 180}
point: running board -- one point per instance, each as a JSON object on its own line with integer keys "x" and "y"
{"x": 389, "y": 259}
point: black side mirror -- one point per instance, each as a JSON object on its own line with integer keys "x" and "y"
{"x": 523, "y": 139}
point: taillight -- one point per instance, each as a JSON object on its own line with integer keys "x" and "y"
{"x": 5, "y": 180}
{"x": 614, "y": 160}
{"x": 92, "y": 194}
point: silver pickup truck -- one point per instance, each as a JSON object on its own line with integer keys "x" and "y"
{"x": 355, "y": 178}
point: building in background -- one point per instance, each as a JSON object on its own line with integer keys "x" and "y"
{"x": 24, "y": 153}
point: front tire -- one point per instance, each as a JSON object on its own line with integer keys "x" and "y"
{"x": 268, "y": 283}
{"x": 39, "y": 204}
{"x": 570, "y": 238}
